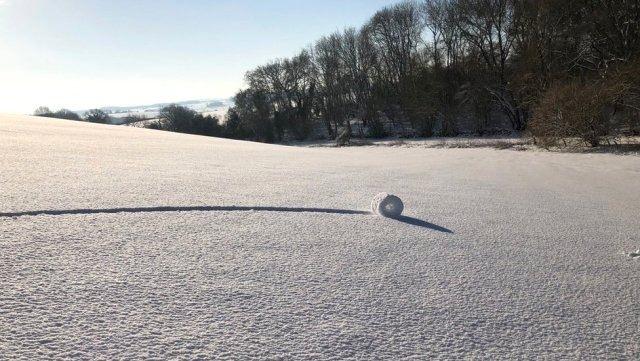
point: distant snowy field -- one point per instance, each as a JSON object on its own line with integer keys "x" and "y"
{"x": 214, "y": 107}
{"x": 508, "y": 255}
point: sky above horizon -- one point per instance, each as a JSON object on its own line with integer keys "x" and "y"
{"x": 81, "y": 54}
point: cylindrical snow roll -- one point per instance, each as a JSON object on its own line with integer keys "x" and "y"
{"x": 387, "y": 205}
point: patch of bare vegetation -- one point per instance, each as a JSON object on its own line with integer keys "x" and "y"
{"x": 614, "y": 145}
{"x": 602, "y": 112}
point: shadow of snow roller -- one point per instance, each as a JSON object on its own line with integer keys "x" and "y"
{"x": 387, "y": 205}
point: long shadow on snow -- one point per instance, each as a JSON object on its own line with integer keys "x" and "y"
{"x": 421, "y": 223}
{"x": 62, "y": 212}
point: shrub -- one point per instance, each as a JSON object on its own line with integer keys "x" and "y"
{"x": 627, "y": 77}
{"x": 60, "y": 114}
{"x": 66, "y": 114}
{"x": 153, "y": 125}
{"x": 575, "y": 110}
{"x": 376, "y": 129}
{"x": 133, "y": 119}
{"x": 96, "y": 116}
{"x": 180, "y": 119}
{"x": 42, "y": 111}
{"x": 234, "y": 128}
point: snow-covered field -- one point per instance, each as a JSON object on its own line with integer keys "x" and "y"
{"x": 507, "y": 255}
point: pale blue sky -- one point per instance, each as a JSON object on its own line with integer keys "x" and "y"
{"x": 90, "y": 53}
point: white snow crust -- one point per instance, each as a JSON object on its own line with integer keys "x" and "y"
{"x": 502, "y": 254}
{"x": 387, "y": 205}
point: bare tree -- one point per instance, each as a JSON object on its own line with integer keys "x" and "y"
{"x": 96, "y": 116}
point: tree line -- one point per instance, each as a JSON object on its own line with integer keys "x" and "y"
{"x": 557, "y": 69}
{"x": 173, "y": 118}
{"x": 92, "y": 115}
{"x": 177, "y": 118}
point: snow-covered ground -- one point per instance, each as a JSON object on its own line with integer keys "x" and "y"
{"x": 507, "y": 255}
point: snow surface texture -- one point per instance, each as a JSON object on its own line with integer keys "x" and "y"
{"x": 502, "y": 254}
{"x": 387, "y": 205}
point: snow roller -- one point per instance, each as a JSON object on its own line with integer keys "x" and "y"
{"x": 387, "y": 205}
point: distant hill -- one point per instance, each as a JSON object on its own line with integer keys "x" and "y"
{"x": 217, "y": 107}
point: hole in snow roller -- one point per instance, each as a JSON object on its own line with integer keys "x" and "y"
{"x": 387, "y": 205}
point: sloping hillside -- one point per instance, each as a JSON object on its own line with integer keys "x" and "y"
{"x": 118, "y": 242}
